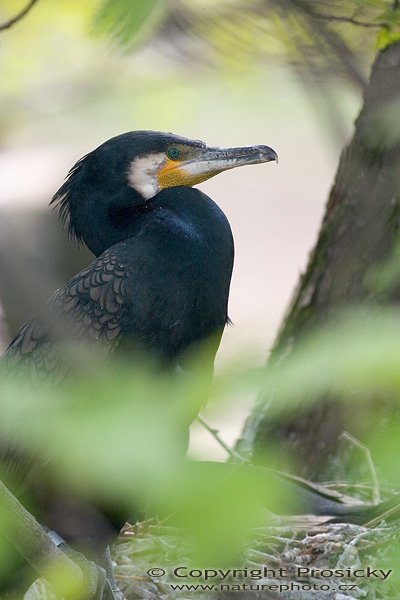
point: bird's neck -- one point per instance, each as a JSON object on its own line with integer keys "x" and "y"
{"x": 176, "y": 214}
{"x": 102, "y": 223}
{"x": 185, "y": 219}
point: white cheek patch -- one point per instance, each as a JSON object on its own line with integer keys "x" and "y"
{"x": 142, "y": 174}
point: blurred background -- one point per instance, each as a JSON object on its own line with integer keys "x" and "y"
{"x": 228, "y": 72}
{"x": 287, "y": 73}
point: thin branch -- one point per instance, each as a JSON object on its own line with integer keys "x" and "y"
{"x": 342, "y": 19}
{"x": 376, "y": 496}
{"x": 388, "y": 514}
{"x": 332, "y": 39}
{"x": 18, "y": 17}
{"x": 215, "y": 433}
{"x": 342, "y": 561}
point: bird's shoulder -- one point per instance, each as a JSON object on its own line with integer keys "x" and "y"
{"x": 99, "y": 290}
{"x": 90, "y": 307}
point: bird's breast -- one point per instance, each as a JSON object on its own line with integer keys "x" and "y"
{"x": 180, "y": 287}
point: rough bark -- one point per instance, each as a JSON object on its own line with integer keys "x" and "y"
{"x": 359, "y": 232}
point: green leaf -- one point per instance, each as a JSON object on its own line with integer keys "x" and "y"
{"x": 386, "y": 37}
{"x": 127, "y": 21}
{"x": 215, "y": 506}
{"x": 354, "y": 356}
{"x": 390, "y": 32}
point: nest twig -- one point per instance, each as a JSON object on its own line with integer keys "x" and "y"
{"x": 300, "y": 551}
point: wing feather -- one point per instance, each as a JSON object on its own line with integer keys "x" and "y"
{"x": 90, "y": 307}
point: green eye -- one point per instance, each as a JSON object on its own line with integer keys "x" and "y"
{"x": 173, "y": 153}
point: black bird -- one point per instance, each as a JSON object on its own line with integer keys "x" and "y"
{"x": 165, "y": 251}
{"x": 160, "y": 282}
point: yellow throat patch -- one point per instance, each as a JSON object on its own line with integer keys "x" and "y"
{"x": 173, "y": 173}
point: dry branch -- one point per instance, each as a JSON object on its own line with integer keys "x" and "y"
{"x": 304, "y": 542}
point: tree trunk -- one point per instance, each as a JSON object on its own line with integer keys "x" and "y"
{"x": 358, "y": 234}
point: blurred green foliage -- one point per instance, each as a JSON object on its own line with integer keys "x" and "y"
{"x": 126, "y": 20}
{"x": 118, "y": 433}
{"x": 353, "y": 356}
{"x": 64, "y": 77}
{"x": 257, "y": 27}
{"x": 390, "y": 32}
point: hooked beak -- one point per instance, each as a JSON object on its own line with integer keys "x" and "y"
{"x": 215, "y": 160}
{"x": 208, "y": 162}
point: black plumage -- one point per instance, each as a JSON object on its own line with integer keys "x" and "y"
{"x": 137, "y": 291}
{"x": 160, "y": 283}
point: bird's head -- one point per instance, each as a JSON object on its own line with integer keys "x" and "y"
{"x": 132, "y": 168}
{"x": 164, "y": 160}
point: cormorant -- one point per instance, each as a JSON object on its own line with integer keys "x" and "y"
{"x": 165, "y": 250}
{"x": 160, "y": 282}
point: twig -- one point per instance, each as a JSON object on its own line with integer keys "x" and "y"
{"x": 215, "y": 433}
{"x": 382, "y": 517}
{"x": 342, "y": 19}
{"x": 329, "y": 37}
{"x": 18, "y": 17}
{"x": 376, "y": 496}
{"x": 349, "y": 547}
